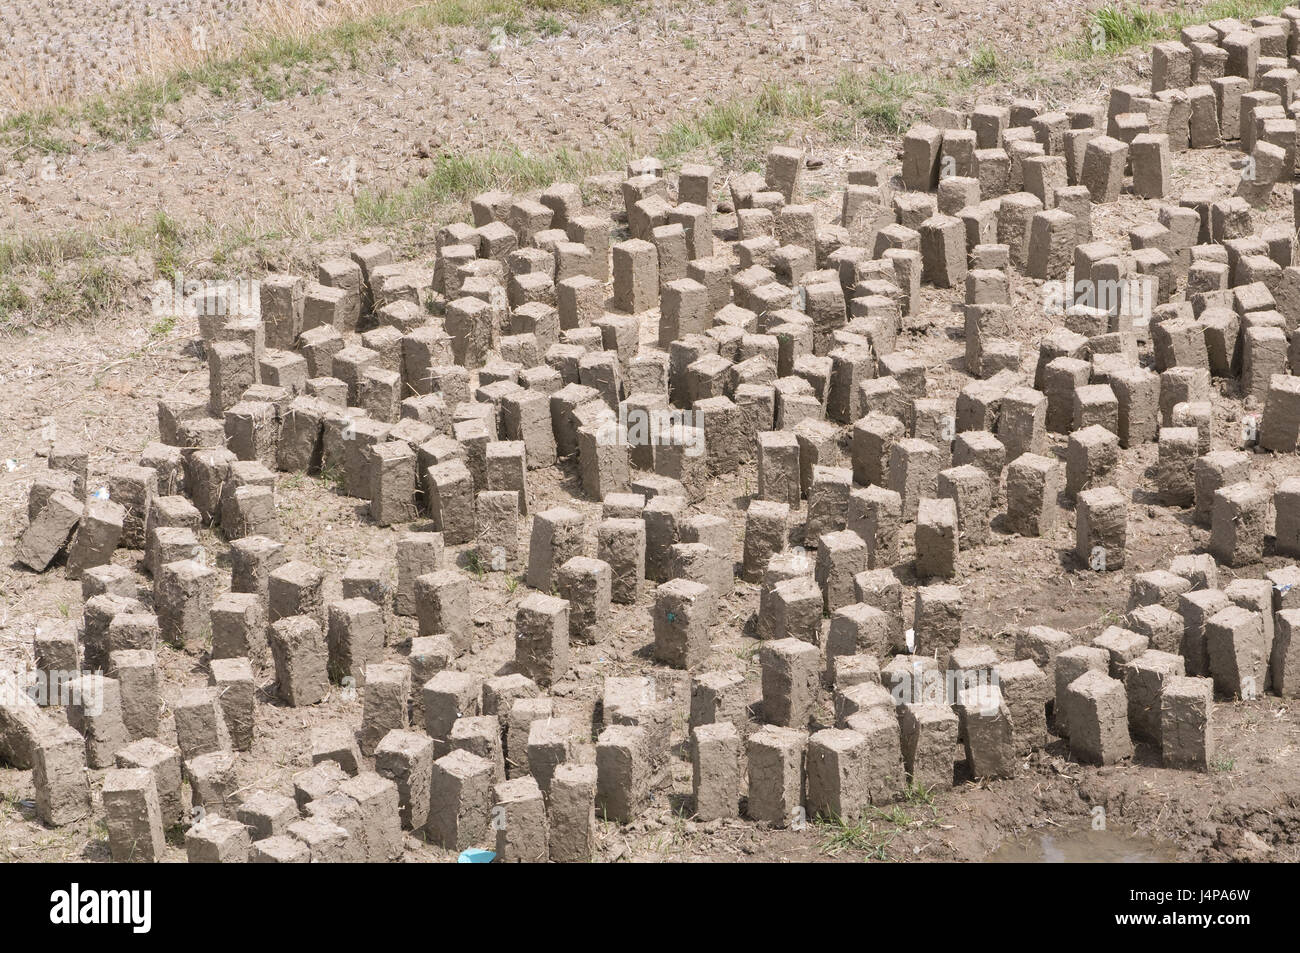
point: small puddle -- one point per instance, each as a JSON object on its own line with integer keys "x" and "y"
{"x": 1064, "y": 846}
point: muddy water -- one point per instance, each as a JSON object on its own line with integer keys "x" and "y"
{"x": 1086, "y": 846}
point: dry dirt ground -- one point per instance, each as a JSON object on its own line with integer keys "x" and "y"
{"x": 100, "y": 383}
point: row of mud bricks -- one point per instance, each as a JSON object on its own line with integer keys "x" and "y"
{"x": 647, "y": 352}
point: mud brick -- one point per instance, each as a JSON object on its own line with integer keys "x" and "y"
{"x": 720, "y": 697}
{"x": 1033, "y": 484}
{"x": 716, "y": 772}
{"x": 1062, "y": 378}
{"x": 1186, "y": 735}
{"x": 937, "y": 620}
{"x": 1137, "y": 391}
{"x": 859, "y": 698}
{"x": 59, "y": 776}
{"x": 957, "y": 192}
{"x": 817, "y": 447}
{"x": 542, "y": 638}
{"x": 212, "y": 783}
{"x": 791, "y": 682}
{"x": 636, "y": 276}
{"x": 1286, "y": 502}
{"x": 461, "y": 800}
{"x": 913, "y": 472}
{"x": 201, "y": 722}
{"x": 828, "y": 500}
{"x": 56, "y": 657}
{"x": 1091, "y": 455}
{"x": 1182, "y": 385}
{"x": 767, "y": 527}
{"x": 981, "y": 449}
{"x": 1122, "y": 646}
{"x": 324, "y": 841}
{"x": 252, "y": 560}
{"x": 936, "y": 538}
{"x": 775, "y": 757}
{"x": 1076, "y": 201}
{"x": 1256, "y": 595}
{"x": 1101, "y": 529}
{"x": 238, "y": 622}
{"x": 1200, "y": 570}
{"x": 921, "y": 147}
{"x": 442, "y": 606}
{"x": 1243, "y": 49}
{"x": 796, "y": 607}
{"x": 430, "y": 654}
{"x": 1095, "y": 404}
{"x": 96, "y": 710}
{"x": 1042, "y": 645}
{"x": 1196, "y": 608}
{"x": 283, "y": 849}
{"x": 841, "y": 555}
{"x": 1236, "y": 653}
{"x": 355, "y": 636}
{"x": 98, "y": 615}
{"x": 136, "y": 672}
{"x": 1280, "y": 426}
{"x": 989, "y": 122}
{"x": 169, "y": 462}
{"x": 497, "y": 518}
{"x": 579, "y": 300}
{"x": 94, "y": 538}
{"x": 943, "y": 251}
{"x": 1238, "y": 518}
{"x": 1171, "y": 66}
{"x": 840, "y": 777}
{"x": 134, "y": 489}
{"x": 1015, "y": 215}
{"x": 564, "y": 405}
{"x": 972, "y": 494}
{"x": 622, "y": 773}
{"x": 233, "y": 680}
{"x": 1175, "y": 466}
{"x": 217, "y": 840}
{"x": 555, "y": 538}
{"x": 406, "y": 759}
{"x": 231, "y": 371}
{"x": 329, "y": 308}
{"x": 1104, "y": 160}
{"x": 449, "y": 493}
{"x": 1051, "y": 241}
{"x": 711, "y": 376}
{"x": 447, "y": 698}
{"x": 164, "y": 768}
{"x": 317, "y": 782}
{"x": 586, "y": 584}
{"x": 1284, "y": 665}
{"x": 929, "y": 738}
{"x": 183, "y": 594}
{"x": 1145, "y": 678}
{"x": 71, "y": 481}
{"x": 662, "y": 517}
{"x": 874, "y": 514}
{"x": 267, "y": 815}
{"x": 1098, "y": 718}
{"x": 1263, "y": 357}
{"x": 299, "y": 651}
{"x": 299, "y": 447}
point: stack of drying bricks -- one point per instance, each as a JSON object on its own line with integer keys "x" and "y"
{"x": 438, "y": 392}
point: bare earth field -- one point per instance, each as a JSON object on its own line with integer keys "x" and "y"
{"x": 281, "y": 182}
